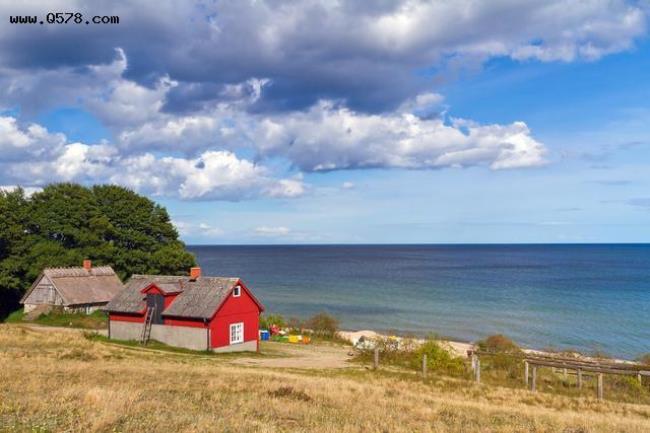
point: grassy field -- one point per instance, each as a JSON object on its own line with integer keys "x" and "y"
{"x": 61, "y": 381}
{"x": 96, "y": 320}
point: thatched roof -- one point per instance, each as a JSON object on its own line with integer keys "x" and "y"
{"x": 79, "y": 286}
{"x": 198, "y": 299}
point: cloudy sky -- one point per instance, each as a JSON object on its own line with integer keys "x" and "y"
{"x": 335, "y": 122}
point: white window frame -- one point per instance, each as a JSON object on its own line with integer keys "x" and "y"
{"x": 236, "y": 292}
{"x": 236, "y": 337}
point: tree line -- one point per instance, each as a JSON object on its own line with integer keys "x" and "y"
{"x": 66, "y": 223}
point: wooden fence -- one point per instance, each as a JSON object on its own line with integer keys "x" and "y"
{"x": 533, "y": 361}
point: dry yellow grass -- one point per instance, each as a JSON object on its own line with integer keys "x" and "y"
{"x": 59, "y": 381}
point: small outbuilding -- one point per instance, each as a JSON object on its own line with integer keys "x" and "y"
{"x": 194, "y": 312}
{"x": 81, "y": 289}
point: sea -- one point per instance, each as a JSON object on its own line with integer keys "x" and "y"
{"x": 591, "y": 298}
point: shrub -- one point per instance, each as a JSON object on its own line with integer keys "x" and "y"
{"x": 295, "y": 325}
{"x": 16, "y": 317}
{"x": 644, "y": 359}
{"x": 408, "y": 352}
{"x": 272, "y": 319}
{"x": 323, "y": 325}
{"x": 503, "y": 350}
{"x": 438, "y": 359}
{"x": 499, "y": 344}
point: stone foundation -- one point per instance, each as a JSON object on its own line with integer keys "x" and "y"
{"x": 178, "y": 336}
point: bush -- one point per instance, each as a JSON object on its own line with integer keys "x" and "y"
{"x": 408, "y": 353}
{"x": 644, "y": 359}
{"x": 272, "y": 319}
{"x": 15, "y": 317}
{"x": 438, "y": 359}
{"x": 503, "y": 350}
{"x": 499, "y": 344}
{"x": 323, "y": 325}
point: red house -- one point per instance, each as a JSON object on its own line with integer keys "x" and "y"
{"x": 195, "y": 312}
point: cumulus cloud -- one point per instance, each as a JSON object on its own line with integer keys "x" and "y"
{"x": 318, "y": 85}
{"x": 317, "y": 49}
{"x": 332, "y": 137}
{"x": 213, "y": 175}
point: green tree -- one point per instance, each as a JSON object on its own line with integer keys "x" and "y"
{"x": 13, "y": 245}
{"x": 66, "y": 223}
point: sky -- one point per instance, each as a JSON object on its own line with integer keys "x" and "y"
{"x": 318, "y": 121}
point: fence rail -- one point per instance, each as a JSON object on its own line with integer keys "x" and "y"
{"x": 532, "y": 361}
{"x": 580, "y": 366}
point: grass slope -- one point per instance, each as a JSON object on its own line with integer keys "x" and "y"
{"x": 60, "y": 381}
{"x": 96, "y": 320}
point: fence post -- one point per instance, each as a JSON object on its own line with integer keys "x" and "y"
{"x": 424, "y": 366}
{"x": 639, "y": 378}
{"x": 478, "y": 370}
{"x": 579, "y": 378}
{"x": 473, "y": 361}
{"x": 600, "y": 386}
{"x": 533, "y": 386}
{"x": 526, "y": 373}
{"x": 565, "y": 374}
{"x": 375, "y": 364}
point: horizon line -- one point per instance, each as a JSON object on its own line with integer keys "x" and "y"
{"x": 428, "y": 244}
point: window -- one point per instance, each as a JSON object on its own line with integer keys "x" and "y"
{"x": 236, "y": 291}
{"x": 236, "y": 333}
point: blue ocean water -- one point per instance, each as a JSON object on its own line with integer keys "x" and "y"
{"x": 585, "y": 297}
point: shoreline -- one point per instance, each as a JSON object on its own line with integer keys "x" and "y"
{"x": 461, "y": 348}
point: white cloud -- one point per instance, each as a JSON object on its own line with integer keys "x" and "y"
{"x": 327, "y": 136}
{"x": 31, "y": 141}
{"x": 186, "y": 228}
{"x": 333, "y": 137}
{"x": 268, "y": 231}
{"x": 212, "y": 175}
{"x": 348, "y": 185}
{"x": 29, "y": 190}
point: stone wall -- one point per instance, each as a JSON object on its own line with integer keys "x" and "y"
{"x": 178, "y": 336}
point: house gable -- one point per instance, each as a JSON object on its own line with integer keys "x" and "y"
{"x": 43, "y": 291}
{"x": 244, "y": 309}
{"x": 234, "y": 304}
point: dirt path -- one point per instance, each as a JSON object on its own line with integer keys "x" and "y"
{"x": 299, "y": 356}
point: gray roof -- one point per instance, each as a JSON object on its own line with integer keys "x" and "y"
{"x": 196, "y": 299}
{"x": 78, "y": 286}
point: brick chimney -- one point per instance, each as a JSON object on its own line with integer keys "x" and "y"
{"x": 195, "y": 273}
{"x": 88, "y": 264}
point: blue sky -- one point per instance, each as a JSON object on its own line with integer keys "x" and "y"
{"x": 381, "y": 124}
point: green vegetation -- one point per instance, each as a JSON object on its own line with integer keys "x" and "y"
{"x": 407, "y": 353}
{"x": 499, "y": 344}
{"x": 66, "y": 223}
{"x": 501, "y": 365}
{"x": 644, "y": 359}
{"x": 266, "y": 320}
{"x": 323, "y": 325}
{"x": 96, "y": 320}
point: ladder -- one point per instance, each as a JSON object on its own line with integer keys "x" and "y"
{"x": 146, "y": 328}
